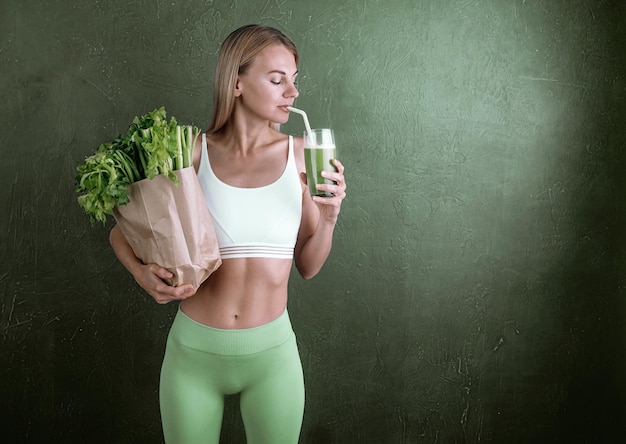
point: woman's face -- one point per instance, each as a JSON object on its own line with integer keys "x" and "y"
{"x": 267, "y": 88}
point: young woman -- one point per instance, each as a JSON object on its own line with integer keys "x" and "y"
{"x": 233, "y": 334}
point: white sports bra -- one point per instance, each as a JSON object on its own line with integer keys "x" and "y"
{"x": 254, "y": 222}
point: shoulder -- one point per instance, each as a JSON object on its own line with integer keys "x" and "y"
{"x": 205, "y": 141}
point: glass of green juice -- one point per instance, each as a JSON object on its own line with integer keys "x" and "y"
{"x": 319, "y": 151}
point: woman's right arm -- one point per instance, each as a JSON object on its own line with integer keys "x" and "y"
{"x": 151, "y": 276}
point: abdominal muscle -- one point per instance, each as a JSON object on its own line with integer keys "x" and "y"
{"x": 242, "y": 293}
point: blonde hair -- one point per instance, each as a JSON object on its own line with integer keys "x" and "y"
{"x": 235, "y": 57}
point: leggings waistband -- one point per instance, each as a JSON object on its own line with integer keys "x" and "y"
{"x": 197, "y": 336}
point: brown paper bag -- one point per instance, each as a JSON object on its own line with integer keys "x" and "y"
{"x": 170, "y": 225}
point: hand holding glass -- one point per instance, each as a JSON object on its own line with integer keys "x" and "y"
{"x": 319, "y": 152}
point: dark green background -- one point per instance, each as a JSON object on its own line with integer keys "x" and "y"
{"x": 475, "y": 292}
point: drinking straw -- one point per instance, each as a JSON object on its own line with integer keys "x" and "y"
{"x": 303, "y": 114}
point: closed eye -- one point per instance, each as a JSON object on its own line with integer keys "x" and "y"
{"x": 283, "y": 75}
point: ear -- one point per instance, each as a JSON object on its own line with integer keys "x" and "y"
{"x": 238, "y": 88}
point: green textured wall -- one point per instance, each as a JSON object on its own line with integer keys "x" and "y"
{"x": 475, "y": 291}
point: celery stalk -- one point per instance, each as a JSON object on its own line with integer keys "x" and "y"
{"x": 180, "y": 156}
{"x": 186, "y": 151}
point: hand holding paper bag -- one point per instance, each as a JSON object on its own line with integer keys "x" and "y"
{"x": 169, "y": 224}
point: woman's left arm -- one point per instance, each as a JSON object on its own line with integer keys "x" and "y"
{"x": 319, "y": 217}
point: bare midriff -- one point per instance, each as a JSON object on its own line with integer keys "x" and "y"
{"x": 242, "y": 293}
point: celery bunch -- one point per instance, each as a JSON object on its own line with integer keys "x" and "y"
{"x": 150, "y": 147}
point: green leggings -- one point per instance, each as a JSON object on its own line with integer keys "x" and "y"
{"x": 203, "y": 364}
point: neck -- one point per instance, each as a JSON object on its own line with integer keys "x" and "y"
{"x": 247, "y": 134}
{"x": 246, "y": 139}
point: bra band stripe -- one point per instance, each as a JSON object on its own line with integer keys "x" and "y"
{"x": 272, "y": 251}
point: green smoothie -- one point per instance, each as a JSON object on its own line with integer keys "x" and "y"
{"x": 319, "y": 159}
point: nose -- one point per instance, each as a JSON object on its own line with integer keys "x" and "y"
{"x": 292, "y": 91}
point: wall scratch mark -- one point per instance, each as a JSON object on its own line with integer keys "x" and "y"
{"x": 499, "y": 344}
{"x": 11, "y": 310}
{"x": 545, "y": 79}
{"x": 98, "y": 88}
{"x": 593, "y": 15}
